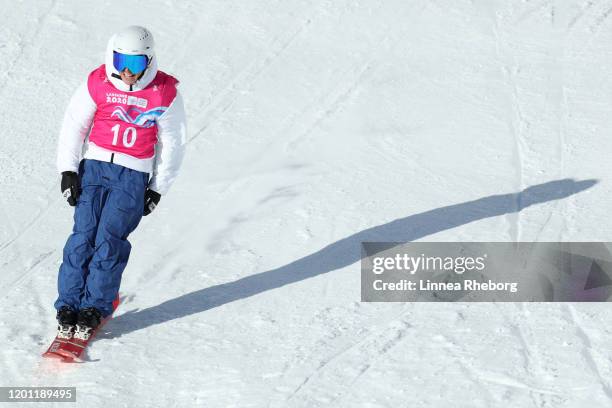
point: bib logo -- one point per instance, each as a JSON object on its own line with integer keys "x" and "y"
{"x": 126, "y": 100}
{"x": 138, "y": 117}
{"x": 140, "y": 102}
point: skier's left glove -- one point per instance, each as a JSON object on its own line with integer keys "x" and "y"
{"x": 70, "y": 187}
{"x": 150, "y": 201}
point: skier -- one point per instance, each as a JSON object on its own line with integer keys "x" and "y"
{"x": 135, "y": 120}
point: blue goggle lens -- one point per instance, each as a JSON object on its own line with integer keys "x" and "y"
{"x": 135, "y": 63}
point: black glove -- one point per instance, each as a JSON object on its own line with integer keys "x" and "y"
{"x": 151, "y": 200}
{"x": 70, "y": 187}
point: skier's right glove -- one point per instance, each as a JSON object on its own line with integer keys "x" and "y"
{"x": 70, "y": 187}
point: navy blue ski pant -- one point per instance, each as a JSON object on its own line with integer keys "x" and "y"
{"x": 108, "y": 210}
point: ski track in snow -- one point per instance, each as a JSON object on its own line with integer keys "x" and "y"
{"x": 33, "y": 221}
{"x": 532, "y": 363}
{"x": 19, "y": 231}
{"x": 325, "y": 107}
{"x": 526, "y": 155}
{"x": 26, "y": 272}
{"x": 592, "y": 19}
{"x": 330, "y": 380}
{"x": 580, "y": 15}
{"x": 228, "y": 95}
{"x": 27, "y": 45}
{"x": 588, "y": 352}
{"x": 516, "y": 123}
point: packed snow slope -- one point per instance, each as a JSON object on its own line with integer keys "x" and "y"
{"x": 314, "y": 126}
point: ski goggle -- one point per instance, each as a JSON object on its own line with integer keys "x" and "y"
{"x": 135, "y": 63}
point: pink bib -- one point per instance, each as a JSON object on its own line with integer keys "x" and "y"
{"x": 126, "y": 122}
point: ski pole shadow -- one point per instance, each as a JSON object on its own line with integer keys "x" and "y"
{"x": 345, "y": 252}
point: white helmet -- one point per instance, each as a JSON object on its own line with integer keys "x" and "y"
{"x": 134, "y": 40}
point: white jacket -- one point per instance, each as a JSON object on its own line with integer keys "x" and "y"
{"x": 171, "y": 133}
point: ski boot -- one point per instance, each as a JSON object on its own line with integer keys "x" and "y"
{"x": 66, "y": 319}
{"x": 89, "y": 318}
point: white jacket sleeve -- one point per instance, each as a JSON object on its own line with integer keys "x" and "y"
{"x": 75, "y": 127}
{"x": 170, "y": 148}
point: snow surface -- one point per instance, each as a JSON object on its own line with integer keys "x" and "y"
{"x": 313, "y": 126}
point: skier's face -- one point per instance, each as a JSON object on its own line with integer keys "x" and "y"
{"x": 129, "y": 78}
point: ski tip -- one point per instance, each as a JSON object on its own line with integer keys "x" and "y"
{"x": 55, "y": 356}
{"x": 73, "y": 360}
{"x": 67, "y": 357}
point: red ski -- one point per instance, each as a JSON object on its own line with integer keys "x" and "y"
{"x": 70, "y": 350}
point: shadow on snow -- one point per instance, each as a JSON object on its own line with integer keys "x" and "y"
{"x": 345, "y": 252}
